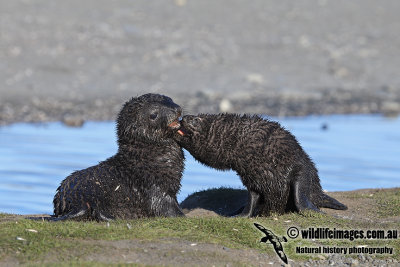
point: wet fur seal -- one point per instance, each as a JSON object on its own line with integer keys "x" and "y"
{"x": 278, "y": 173}
{"x": 141, "y": 180}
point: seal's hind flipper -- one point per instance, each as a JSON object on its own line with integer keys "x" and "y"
{"x": 330, "y": 202}
{"x": 301, "y": 198}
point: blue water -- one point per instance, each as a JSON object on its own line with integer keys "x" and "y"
{"x": 357, "y": 151}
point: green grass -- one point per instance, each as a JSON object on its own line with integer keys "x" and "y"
{"x": 68, "y": 241}
{"x": 388, "y": 202}
{"x": 3, "y": 215}
{"x": 63, "y": 240}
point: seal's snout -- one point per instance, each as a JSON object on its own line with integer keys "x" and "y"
{"x": 178, "y": 126}
{"x": 175, "y": 122}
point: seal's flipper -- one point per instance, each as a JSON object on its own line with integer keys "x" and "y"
{"x": 101, "y": 216}
{"x": 172, "y": 210}
{"x": 301, "y": 197}
{"x": 330, "y": 202}
{"x": 73, "y": 215}
{"x": 163, "y": 204}
{"x": 249, "y": 209}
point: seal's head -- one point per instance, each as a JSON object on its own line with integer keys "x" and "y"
{"x": 191, "y": 127}
{"x": 201, "y": 137}
{"x": 149, "y": 118}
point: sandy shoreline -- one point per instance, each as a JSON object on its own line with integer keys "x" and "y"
{"x": 59, "y": 61}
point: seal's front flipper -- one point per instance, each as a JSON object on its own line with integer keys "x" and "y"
{"x": 301, "y": 197}
{"x": 164, "y": 205}
{"x": 173, "y": 209}
{"x": 249, "y": 209}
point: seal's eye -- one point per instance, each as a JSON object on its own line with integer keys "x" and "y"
{"x": 196, "y": 122}
{"x": 153, "y": 116}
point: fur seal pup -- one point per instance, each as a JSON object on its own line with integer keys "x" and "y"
{"x": 277, "y": 172}
{"x": 142, "y": 179}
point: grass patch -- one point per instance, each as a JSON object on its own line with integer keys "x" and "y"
{"x": 74, "y": 243}
{"x": 359, "y": 195}
{"x": 388, "y": 202}
{"x": 65, "y": 239}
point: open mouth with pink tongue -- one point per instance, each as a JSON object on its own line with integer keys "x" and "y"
{"x": 176, "y": 125}
{"x": 180, "y": 132}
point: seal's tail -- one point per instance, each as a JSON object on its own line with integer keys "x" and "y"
{"x": 329, "y": 202}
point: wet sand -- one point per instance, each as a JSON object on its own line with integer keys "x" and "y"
{"x": 75, "y": 60}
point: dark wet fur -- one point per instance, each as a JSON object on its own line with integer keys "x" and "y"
{"x": 141, "y": 180}
{"x": 278, "y": 174}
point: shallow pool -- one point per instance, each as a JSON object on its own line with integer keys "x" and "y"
{"x": 352, "y": 152}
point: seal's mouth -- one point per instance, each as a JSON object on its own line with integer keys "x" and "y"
{"x": 181, "y": 132}
{"x": 175, "y": 124}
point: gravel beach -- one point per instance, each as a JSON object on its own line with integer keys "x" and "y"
{"x": 76, "y": 61}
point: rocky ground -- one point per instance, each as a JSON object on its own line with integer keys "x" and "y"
{"x": 74, "y": 60}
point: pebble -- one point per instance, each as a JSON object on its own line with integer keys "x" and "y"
{"x": 225, "y": 105}
{"x": 73, "y": 121}
{"x": 255, "y": 78}
{"x": 391, "y": 108}
{"x": 180, "y": 2}
{"x": 354, "y": 262}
